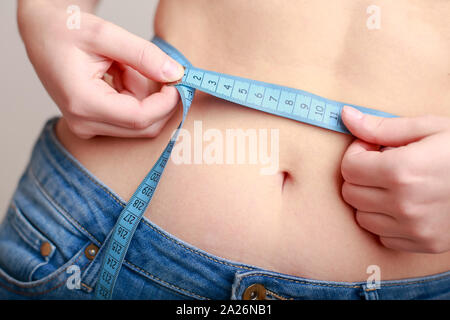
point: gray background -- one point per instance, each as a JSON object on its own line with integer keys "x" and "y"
{"x": 24, "y": 104}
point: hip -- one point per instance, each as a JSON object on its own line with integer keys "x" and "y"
{"x": 61, "y": 216}
{"x": 292, "y": 220}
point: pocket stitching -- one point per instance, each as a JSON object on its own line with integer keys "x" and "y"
{"x": 167, "y": 285}
{"x": 30, "y": 277}
{"x": 62, "y": 211}
{"x": 38, "y": 283}
{"x": 41, "y": 292}
{"x": 30, "y": 235}
{"x": 18, "y": 221}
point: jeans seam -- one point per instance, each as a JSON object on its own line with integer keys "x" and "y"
{"x": 413, "y": 282}
{"x": 343, "y": 285}
{"x": 33, "y": 244}
{"x": 196, "y": 252}
{"x": 41, "y": 292}
{"x": 154, "y": 278}
{"x": 30, "y": 277}
{"x": 235, "y": 286}
{"x": 31, "y": 293}
{"x": 60, "y": 209}
{"x": 302, "y": 282}
{"x": 84, "y": 171}
{"x": 278, "y": 296}
{"x": 28, "y": 286}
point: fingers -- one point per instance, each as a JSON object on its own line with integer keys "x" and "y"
{"x": 391, "y": 132}
{"x": 366, "y": 198}
{"x": 122, "y": 46}
{"x": 104, "y": 104}
{"x": 90, "y": 129}
{"x": 126, "y": 80}
{"x": 379, "y": 224}
{"x": 394, "y": 234}
{"x": 400, "y": 244}
{"x": 363, "y": 164}
{"x": 138, "y": 85}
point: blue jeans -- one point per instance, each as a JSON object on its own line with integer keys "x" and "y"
{"x": 52, "y": 244}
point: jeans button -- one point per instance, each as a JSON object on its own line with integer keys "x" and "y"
{"x": 255, "y": 292}
{"x": 46, "y": 249}
{"x": 90, "y": 251}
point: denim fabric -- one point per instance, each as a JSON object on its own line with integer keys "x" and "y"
{"x": 60, "y": 204}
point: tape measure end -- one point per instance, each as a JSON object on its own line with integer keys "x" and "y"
{"x": 174, "y": 83}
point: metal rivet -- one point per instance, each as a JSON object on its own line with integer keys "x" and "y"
{"x": 255, "y": 292}
{"x": 90, "y": 251}
{"x": 46, "y": 249}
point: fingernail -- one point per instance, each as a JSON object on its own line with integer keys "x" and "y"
{"x": 353, "y": 113}
{"x": 172, "y": 70}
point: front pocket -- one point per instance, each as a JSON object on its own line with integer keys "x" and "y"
{"x": 25, "y": 252}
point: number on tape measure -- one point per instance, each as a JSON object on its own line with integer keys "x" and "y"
{"x": 278, "y": 100}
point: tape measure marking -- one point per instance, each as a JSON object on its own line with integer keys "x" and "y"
{"x": 282, "y": 101}
{"x": 274, "y": 99}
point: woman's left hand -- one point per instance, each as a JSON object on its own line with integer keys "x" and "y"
{"x": 397, "y": 176}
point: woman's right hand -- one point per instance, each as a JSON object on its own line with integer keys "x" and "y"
{"x": 72, "y": 65}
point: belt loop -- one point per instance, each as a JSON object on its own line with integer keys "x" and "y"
{"x": 369, "y": 293}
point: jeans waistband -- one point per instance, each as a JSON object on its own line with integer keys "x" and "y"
{"x": 158, "y": 257}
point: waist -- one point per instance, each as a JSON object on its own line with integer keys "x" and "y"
{"x": 295, "y": 221}
{"x": 67, "y": 199}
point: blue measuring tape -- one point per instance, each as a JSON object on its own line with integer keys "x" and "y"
{"x": 274, "y": 99}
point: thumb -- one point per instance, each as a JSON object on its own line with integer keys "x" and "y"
{"x": 392, "y": 132}
{"x": 113, "y": 42}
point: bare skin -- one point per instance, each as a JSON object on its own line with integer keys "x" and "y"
{"x": 301, "y": 225}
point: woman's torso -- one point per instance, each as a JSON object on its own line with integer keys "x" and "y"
{"x": 300, "y": 226}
